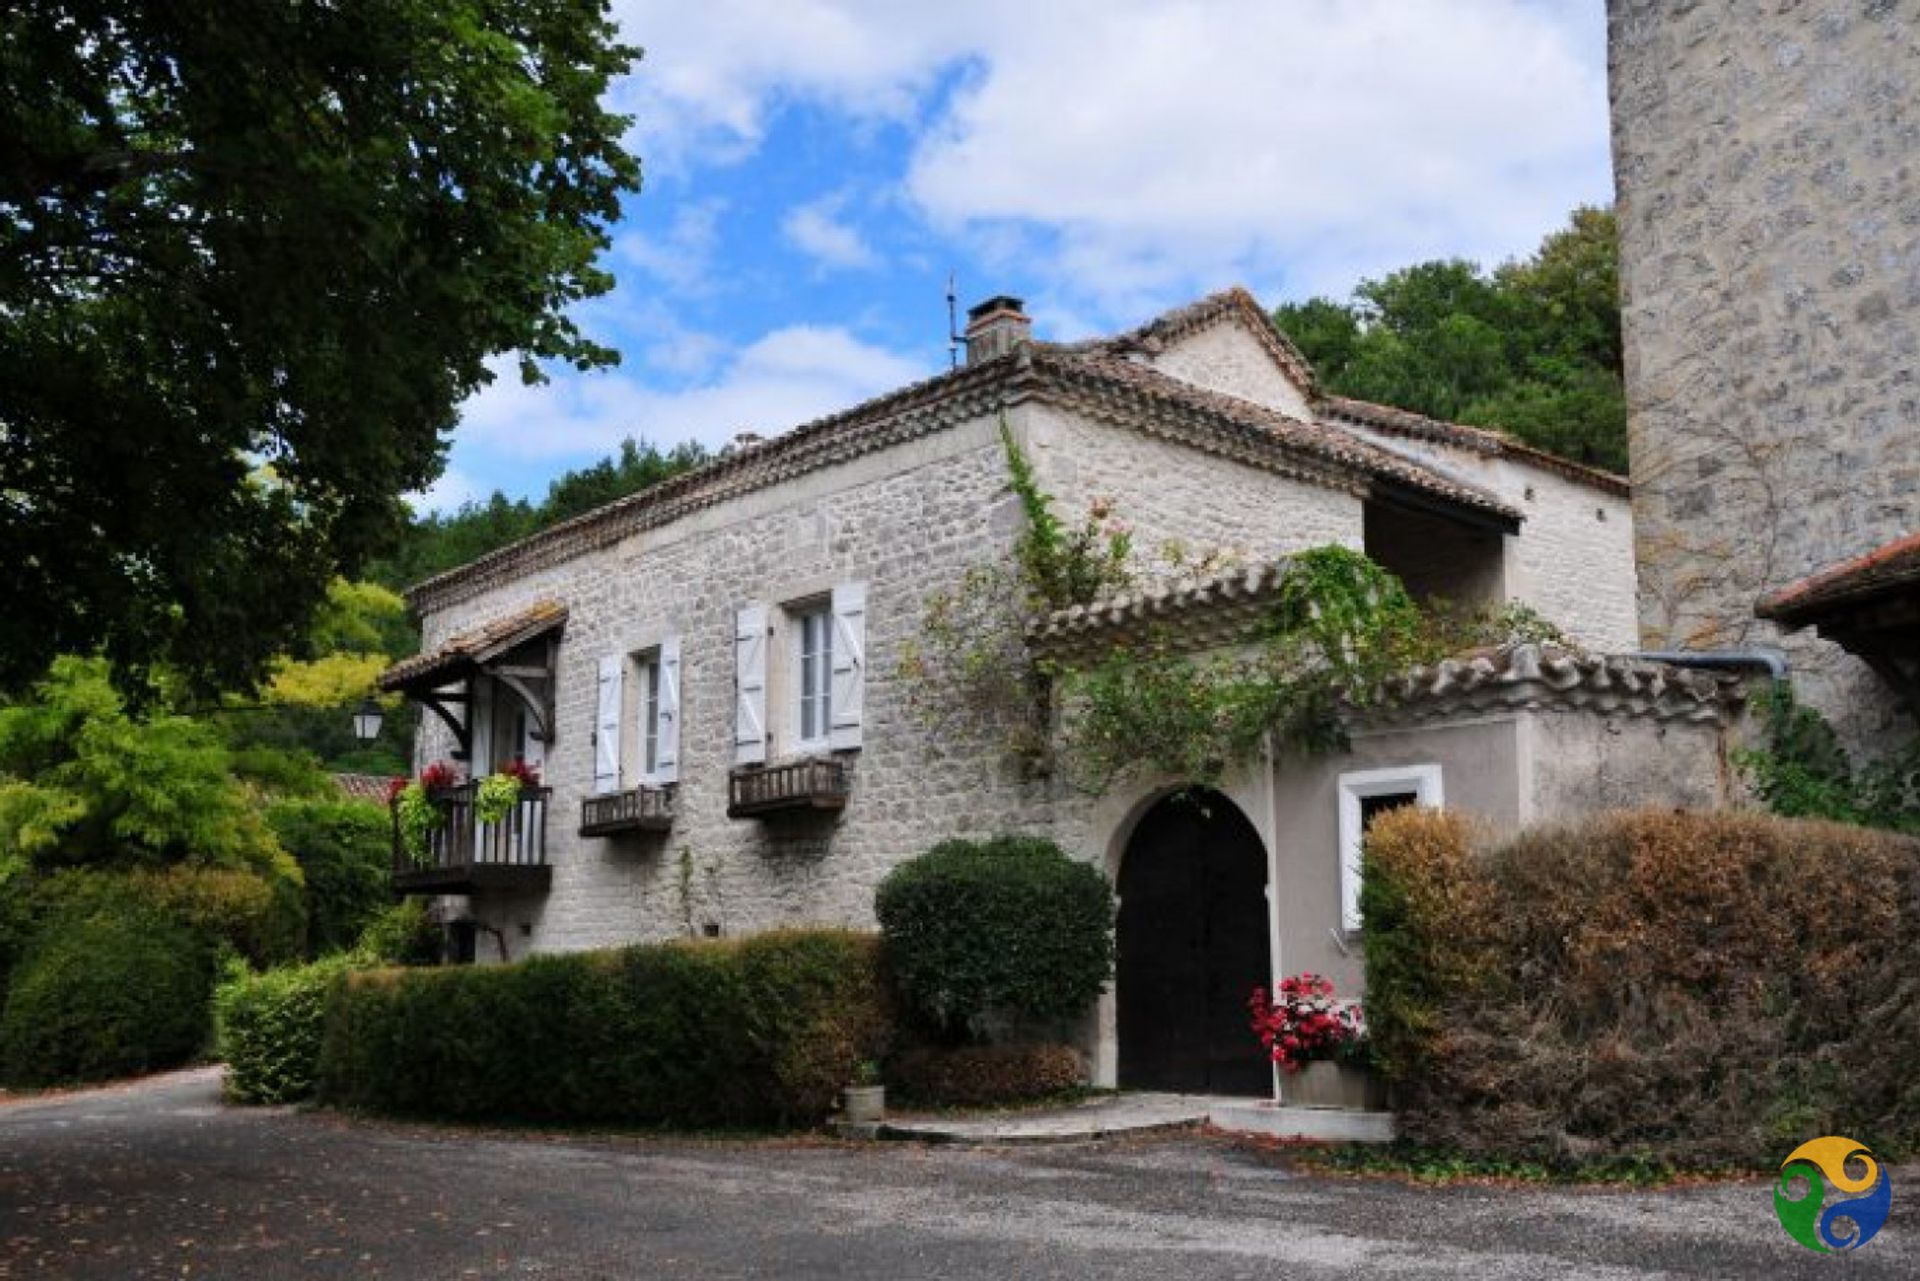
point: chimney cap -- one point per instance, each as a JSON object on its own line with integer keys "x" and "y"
{"x": 999, "y": 302}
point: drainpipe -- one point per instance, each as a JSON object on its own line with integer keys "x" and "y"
{"x": 1765, "y": 656}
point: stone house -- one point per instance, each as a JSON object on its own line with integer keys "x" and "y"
{"x": 707, "y": 673}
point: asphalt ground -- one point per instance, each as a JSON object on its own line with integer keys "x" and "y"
{"x": 161, "y": 1179}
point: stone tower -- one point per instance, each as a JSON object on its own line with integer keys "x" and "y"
{"x": 1767, "y": 157}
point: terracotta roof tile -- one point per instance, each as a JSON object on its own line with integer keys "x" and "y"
{"x": 1481, "y": 440}
{"x": 371, "y": 788}
{"x": 449, "y": 658}
{"x": 1893, "y": 567}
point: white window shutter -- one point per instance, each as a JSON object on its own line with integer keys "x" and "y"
{"x": 849, "y": 664}
{"x": 750, "y": 685}
{"x": 606, "y": 726}
{"x": 666, "y": 750}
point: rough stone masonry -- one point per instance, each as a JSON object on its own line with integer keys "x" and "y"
{"x": 1767, "y": 156}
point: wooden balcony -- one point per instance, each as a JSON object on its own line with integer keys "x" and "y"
{"x": 638, "y": 809}
{"x": 464, "y": 855}
{"x": 801, "y": 787}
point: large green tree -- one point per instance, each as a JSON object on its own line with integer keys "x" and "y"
{"x": 1532, "y": 347}
{"x": 252, "y": 255}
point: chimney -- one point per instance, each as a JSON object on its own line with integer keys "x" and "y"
{"x": 996, "y": 327}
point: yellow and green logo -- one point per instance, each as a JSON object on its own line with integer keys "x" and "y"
{"x": 1814, "y": 1169}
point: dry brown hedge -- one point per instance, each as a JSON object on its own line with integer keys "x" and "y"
{"x": 982, "y": 1075}
{"x": 1694, "y": 988}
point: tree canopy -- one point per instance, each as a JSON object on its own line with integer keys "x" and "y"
{"x": 1532, "y": 347}
{"x": 435, "y": 543}
{"x": 254, "y": 255}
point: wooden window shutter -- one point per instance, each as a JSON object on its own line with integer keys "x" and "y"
{"x": 750, "y": 685}
{"x": 849, "y": 664}
{"x": 606, "y": 726}
{"x": 666, "y": 751}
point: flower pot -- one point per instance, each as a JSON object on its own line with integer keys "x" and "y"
{"x": 863, "y": 1104}
{"x": 1326, "y": 1084}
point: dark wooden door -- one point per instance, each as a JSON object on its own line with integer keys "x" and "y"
{"x": 1193, "y": 944}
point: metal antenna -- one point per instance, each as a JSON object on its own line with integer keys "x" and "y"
{"x": 953, "y": 328}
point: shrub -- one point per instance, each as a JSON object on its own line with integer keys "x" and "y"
{"x": 399, "y": 934}
{"x": 343, "y": 848}
{"x": 1006, "y": 925}
{"x": 105, "y": 994}
{"x": 1694, "y": 988}
{"x": 269, "y": 1028}
{"x": 984, "y": 1075}
{"x": 262, "y": 920}
{"x": 758, "y": 1031}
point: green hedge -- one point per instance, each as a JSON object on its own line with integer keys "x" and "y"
{"x": 751, "y": 1032}
{"x": 106, "y": 994}
{"x": 270, "y": 1027}
{"x": 1005, "y": 926}
{"x": 261, "y": 920}
{"x": 1695, "y": 989}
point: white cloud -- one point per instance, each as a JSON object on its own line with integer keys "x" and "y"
{"x": 682, "y": 255}
{"x": 818, "y": 231}
{"x": 786, "y": 378}
{"x": 1140, "y": 150}
{"x": 448, "y": 493}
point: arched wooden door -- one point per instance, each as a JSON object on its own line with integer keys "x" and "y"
{"x": 1192, "y": 939}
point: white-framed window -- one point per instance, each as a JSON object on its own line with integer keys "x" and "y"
{"x": 818, "y": 646}
{"x": 646, "y": 684}
{"x": 1364, "y": 796}
{"x": 637, "y": 726}
{"x": 813, "y": 675}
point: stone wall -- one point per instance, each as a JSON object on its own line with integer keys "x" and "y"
{"x": 906, "y": 521}
{"x": 1769, "y": 206}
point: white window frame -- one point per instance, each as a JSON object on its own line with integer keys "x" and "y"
{"x": 801, "y": 617}
{"x": 1422, "y": 780}
{"x": 646, "y": 677}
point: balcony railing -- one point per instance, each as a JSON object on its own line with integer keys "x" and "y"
{"x": 800, "y": 786}
{"x": 638, "y": 809}
{"x": 464, "y": 854}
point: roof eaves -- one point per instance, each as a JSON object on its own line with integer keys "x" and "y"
{"x": 1480, "y": 440}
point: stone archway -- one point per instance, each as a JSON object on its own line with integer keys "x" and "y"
{"x": 1193, "y": 943}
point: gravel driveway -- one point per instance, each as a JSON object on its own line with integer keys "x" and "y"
{"x": 159, "y": 1179}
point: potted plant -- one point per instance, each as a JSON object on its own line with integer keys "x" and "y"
{"x": 418, "y": 808}
{"x": 499, "y": 792}
{"x": 865, "y": 1100}
{"x": 1319, "y": 1043}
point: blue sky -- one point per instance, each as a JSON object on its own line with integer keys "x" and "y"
{"x": 816, "y": 168}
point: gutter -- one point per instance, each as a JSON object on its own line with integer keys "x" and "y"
{"x": 1773, "y": 660}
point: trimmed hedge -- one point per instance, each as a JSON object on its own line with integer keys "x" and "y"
{"x": 1694, "y": 989}
{"x": 1004, "y": 926}
{"x": 270, "y": 1026}
{"x": 752, "y": 1032}
{"x": 107, "y": 994}
{"x": 984, "y": 1075}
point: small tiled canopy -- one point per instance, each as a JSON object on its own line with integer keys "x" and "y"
{"x": 499, "y": 649}
{"x": 1869, "y": 606}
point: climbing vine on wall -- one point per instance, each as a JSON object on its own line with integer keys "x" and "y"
{"x": 1339, "y": 626}
{"x": 1803, "y": 772}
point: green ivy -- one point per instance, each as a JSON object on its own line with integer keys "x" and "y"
{"x": 1804, "y": 772}
{"x": 1340, "y": 626}
{"x": 419, "y": 817}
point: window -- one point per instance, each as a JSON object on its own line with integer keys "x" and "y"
{"x": 1364, "y": 796}
{"x": 813, "y": 638}
{"x": 647, "y": 674}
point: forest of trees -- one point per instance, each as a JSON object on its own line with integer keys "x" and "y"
{"x": 1531, "y": 347}
{"x": 435, "y": 543}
